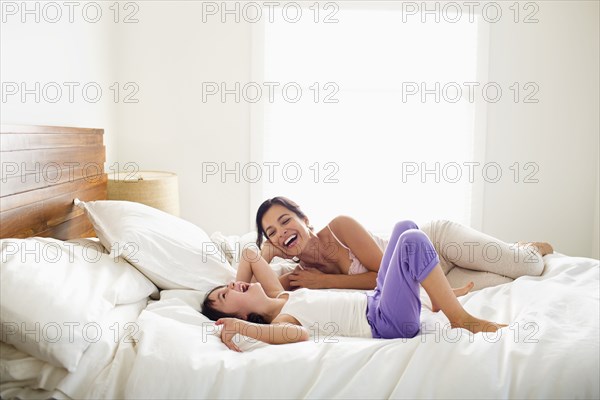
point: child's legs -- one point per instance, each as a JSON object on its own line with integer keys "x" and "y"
{"x": 399, "y": 229}
{"x": 468, "y": 248}
{"x": 395, "y": 308}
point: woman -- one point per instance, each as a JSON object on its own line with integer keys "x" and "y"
{"x": 345, "y": 255}
{"x": 264, "y": 311}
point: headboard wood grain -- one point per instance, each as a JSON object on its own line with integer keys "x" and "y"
{"x": 43, "y": 169}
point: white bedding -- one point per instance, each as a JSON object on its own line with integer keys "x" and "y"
{"x": 24, "y": 376}
{"x": 550, "y": 350}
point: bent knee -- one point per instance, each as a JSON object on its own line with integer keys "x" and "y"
{"x": 532, "y": 263}
{"x": 413, "y": 236}
{"x": 404, "y": 225}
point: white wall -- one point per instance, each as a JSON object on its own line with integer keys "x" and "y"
{"x": 46, "y": 52}
{"x": 596, "y": 232}
{"x": 560, "y": 133}
{"x": 170, "y": 52}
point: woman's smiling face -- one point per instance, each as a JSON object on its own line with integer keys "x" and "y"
{"x": 285, "y": 230}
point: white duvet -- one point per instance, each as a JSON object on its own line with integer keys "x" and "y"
{"x": 550, "y": 350}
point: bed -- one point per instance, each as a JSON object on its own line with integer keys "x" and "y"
{"x": 156, "y": 343}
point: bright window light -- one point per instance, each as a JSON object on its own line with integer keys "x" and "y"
{"x": 372, "y": 141}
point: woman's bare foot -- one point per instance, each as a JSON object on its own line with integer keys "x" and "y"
{"x": 541, "y": 247}
{"x": 476, "y": 325}
{"x": 457, "y": 292}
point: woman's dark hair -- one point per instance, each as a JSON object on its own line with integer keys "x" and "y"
{"x": 212, "y": 313}
{"x": 264, "y": 207}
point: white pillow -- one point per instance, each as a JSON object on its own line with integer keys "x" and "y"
{"x": 182, "y": 306}
{"x": 226, "y": 245}
{"x": 282, "y": 266}
{"x": 171, "y": 252}
{"x": 53, "y": 293}
{"x": 232, "y": 246}
{"x": 127, "y": 291}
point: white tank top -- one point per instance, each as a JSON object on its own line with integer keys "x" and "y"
{"x": 330, "y": 313}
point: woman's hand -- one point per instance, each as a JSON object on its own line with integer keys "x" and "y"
{"x": 230, "y": 329}
{"x": 310, "y": 278}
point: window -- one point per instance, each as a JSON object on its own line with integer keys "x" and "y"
{"x": 365, "y": 145}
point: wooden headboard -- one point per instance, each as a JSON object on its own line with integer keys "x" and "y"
{"x": 43, "y": 169}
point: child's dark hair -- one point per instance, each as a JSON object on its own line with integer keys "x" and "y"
{"x": 264, "y": 207}
{"x": 212, "y": 313}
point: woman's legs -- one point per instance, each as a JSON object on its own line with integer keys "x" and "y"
{"x": 468, "y": 248}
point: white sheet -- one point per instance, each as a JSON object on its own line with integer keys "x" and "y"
{"x": 551, "y": 349}
{"x": 24, "y": 376}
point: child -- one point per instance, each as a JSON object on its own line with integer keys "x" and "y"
{"x": 264, "y": 311}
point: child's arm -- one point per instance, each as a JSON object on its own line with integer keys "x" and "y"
{"x": 268, "y": 252}
{"x": 285, "y": 281}
{"x": 280, "y": 332}
{"x": 252, "y": 264}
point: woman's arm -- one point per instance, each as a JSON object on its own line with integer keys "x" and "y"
{"x": 359, "y": 240}
{"x": 364, "y": 247}
{"x": 252, "y": 264}
{"x": 280, "y": 332}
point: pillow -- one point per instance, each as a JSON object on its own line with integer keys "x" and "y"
{"x": 54, "y": 292}
{"x": 282, "y": 265}
{"x": 226, "y": 244}
{"x": 231, "y": 246}
{"x": 127, "y": 291}
{"x": 183, "y": 306}
{"x": 171, "y": 252}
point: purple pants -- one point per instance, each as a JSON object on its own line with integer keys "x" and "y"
{"x": 394, "y": 307}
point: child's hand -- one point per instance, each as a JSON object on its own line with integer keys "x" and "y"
{"x": 229, "y": 331}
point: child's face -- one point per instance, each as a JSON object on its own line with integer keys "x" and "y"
{"x": 281, "y": 226}
{"x": 238, "y": 298}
